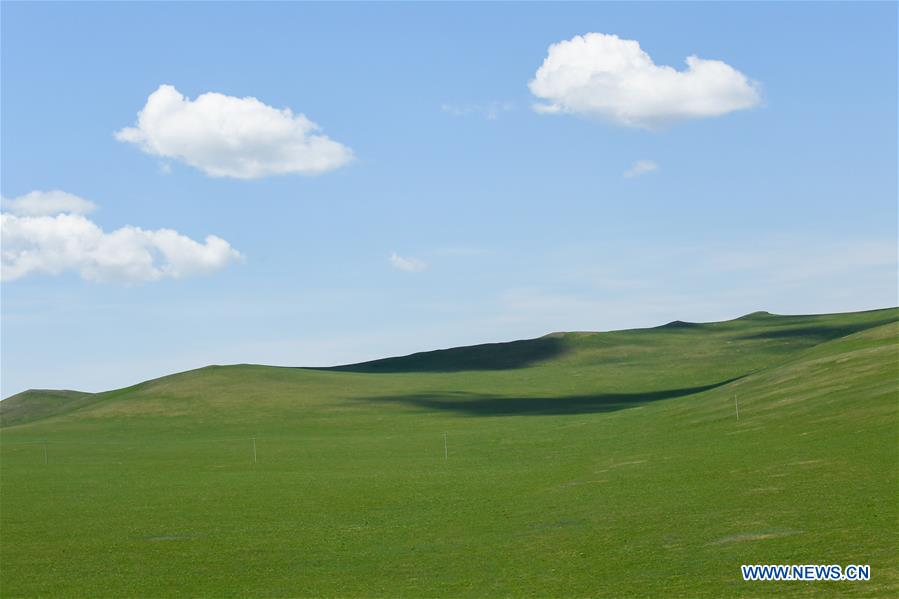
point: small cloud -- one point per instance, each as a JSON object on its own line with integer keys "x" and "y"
{"x": 42, "y": 203}
{"x": 226, "y": 136}
{"x": 165, "y": 168}
{"x": 456, "y": 110}
{"x": 407, "y": 264}
{"x": 491, "y": 111}
{"x": 613, "y": 79}
{"x": 641, "y": 167}
{"x": 37, "y": 239}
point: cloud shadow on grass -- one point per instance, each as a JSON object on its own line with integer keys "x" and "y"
{"x": 474, "y": 404}
{"x": 488, "y": 356}
{"x": 817, "y": 332}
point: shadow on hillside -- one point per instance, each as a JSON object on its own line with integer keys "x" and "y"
{"x": 489, "y": 356}
{"x": 818, "y": 333}
{"x": 473, "y": 404}
{"x": 680, "y": 324}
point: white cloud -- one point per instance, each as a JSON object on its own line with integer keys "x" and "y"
{"x": 604, "y": 76}
{"x": 225, "y": 136}
{"x": 641, "y": 167}
{"x": 42, "y": 203}
{"x": 490, "y": 111}
{"x": 70, "y": 241}
{"x": 407, "y": 264}
{"x": 796, "y": 260}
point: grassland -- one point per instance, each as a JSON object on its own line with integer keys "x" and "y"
{"x": 579, "y": 464}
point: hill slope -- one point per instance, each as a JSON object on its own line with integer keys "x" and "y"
{"x": 612, "y": 465}
{"x": 667, "y": 360}
{"x": 36, "y": 404}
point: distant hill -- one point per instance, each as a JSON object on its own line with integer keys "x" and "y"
{"x": 671, "y": 351}
{"x": 35, "y": 404}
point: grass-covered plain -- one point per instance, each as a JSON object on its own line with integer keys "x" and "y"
{"x": 579, "y": 464}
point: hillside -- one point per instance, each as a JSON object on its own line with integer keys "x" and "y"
{"x": 576, "y": 464}
{"x": 36, "y": 404}
{"x": 677, "y": 358}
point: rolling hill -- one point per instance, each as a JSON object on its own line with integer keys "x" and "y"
{"x": 576, "y": 464}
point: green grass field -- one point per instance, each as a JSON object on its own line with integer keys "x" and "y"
{"x": 578, "y": 464}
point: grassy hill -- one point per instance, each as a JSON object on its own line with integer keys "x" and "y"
{"x": 577, "y": 464}
{"x": 35, "y": 404}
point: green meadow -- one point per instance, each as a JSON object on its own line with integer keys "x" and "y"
{"x": 577, "y": 464}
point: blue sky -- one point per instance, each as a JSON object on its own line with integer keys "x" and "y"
{"x": 511, "y": 223}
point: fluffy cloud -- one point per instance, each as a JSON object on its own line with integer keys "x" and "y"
{"x": 407, "y": 264}
{"x": 604, "y": 76}
{"x": 69, "y": 241}
{"x": 42, "y": 203}
{"x": 641, "y": 167}
{"x": 226, "y": 136}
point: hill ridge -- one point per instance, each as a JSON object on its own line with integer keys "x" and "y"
{"x": 566, "y": 350}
